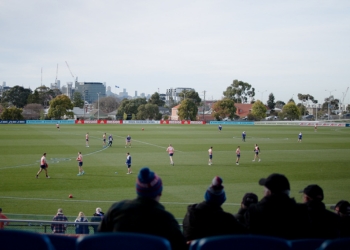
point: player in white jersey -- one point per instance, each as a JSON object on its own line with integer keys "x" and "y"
{"x": 210, "y": 152}
{"x": 80, "y": 164}
{"x": 256, "y": 151}
{"x": 238, "y": 154}
{"x": 43, "y": 166}
{"x": 104, "y": 140}
{"x": 171, "y": 151}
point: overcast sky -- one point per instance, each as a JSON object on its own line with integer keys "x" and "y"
{"x": 279, "y": 47}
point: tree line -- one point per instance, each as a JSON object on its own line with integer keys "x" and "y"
{"x": 19, "y": 103}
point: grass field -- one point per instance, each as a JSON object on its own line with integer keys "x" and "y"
{"x": 322, "y": 158}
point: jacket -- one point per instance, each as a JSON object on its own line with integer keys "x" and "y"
{"x": 279, "y": 216}
{"x": 143, "y": 215}
{"x": 208, "y": 219}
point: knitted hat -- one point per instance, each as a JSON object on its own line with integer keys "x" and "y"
{"x": 215, "y": 193}
{"x": 148, "y": 184}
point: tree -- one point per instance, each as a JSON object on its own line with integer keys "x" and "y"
{"x": 302, "y": 109}
{"x": 290, "y": 111}
{"x": 280, "y": 104}
{"x": 192, "y": 95}
{"x": 46, "y": 94}
{"x": 12, "y": 113}
{"x": 271, "y": 102}
{"x": 187, "y": 110}
{"x": 34, "y": 97}
{"x": 147, "y": 111}
{"x": 130, "y": 106}
{"x": 108, "y": 104}
{"x": 60, "y": 106}
{"x": 259, "y": 110}
{"x": 306, "y": 98}
{"x": 331, "y": 102}
{"x": 155, "y": 99}
{"x": 78, "y": 100}
{"x": 239, "y": 91}
{"x": 224, "y": 108}
{"x": 32, "y": 111}
{"x": 17, "y": 96}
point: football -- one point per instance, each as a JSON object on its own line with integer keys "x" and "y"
{"x": 143, "y": 129}
{"x": 70, "y": 196}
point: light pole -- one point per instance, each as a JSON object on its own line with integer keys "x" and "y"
{"x": 98, "y": 106}
{"x": 329, "y": 99}
{"x": 262, "y": 95}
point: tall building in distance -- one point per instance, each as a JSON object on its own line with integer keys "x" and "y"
{"x": 173, "y": 94}
{"x": 91, "y": 91}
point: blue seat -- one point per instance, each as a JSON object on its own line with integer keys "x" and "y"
{"x": 122, "y": 241}
{"x": 16, "y": 239}
{"x": 62, "y": 242}
{"x": 337, "y": 244}
{"x": 244, "y": 242}
{"x": 306, "y": 244}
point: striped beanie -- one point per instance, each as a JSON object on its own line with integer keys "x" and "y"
{"x": 148, "y": 184}
{"x": 215, "y": 193}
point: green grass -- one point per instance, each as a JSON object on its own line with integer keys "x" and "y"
{"x": 322, "y": 158}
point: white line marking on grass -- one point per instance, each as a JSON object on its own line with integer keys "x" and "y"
{"x": 149, "y": 144}
{"x": 52, "y": 160}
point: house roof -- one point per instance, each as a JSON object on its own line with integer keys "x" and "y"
{"x": 243, "y": 109}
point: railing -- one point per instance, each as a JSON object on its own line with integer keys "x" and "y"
{"x": 44, "y": 226}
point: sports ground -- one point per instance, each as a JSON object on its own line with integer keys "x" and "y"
{"x": 322, "y": 158}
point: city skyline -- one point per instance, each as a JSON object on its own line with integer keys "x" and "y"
{"x": 284, "y": 48}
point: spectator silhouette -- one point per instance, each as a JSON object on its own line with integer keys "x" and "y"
{"x": 324, "y": 223}
{"x": 79, "y": 228}
{"x": 144, "y": 214}
{"x": 97, "y": 217}
{"x": 342, "y": 208}
{"x": 59, "y": 228}
{"x": 208, "y": 218}
{"x": 277, "y": 214}
{"x": 248, "y": 199}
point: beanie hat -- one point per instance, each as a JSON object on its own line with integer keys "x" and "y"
{"x": 215, "y": 193}
{"x": 148, "y": 184}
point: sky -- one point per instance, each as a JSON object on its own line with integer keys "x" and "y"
{"x": 279, "y": 47}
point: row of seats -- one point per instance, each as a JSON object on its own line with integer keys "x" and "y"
{"x": 14, "y": 239}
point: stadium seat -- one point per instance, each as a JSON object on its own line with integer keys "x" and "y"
{"x": 122, "y": 241}
{"x": 242, "y": 242}
{"x": 16, "y": 239}
{"x": 306, "y": 244}
{"x": 62, "y": 242}
{"x": 337, "y": 244}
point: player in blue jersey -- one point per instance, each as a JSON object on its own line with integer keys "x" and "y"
{"x": 220, "y": 127}
{"x": 300, "y": 137}
{"x": 243, "y": 136}
{"x": 110, "y": 140}
{"x": 128, "y": 163}
{"x": 128, "y": 141}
